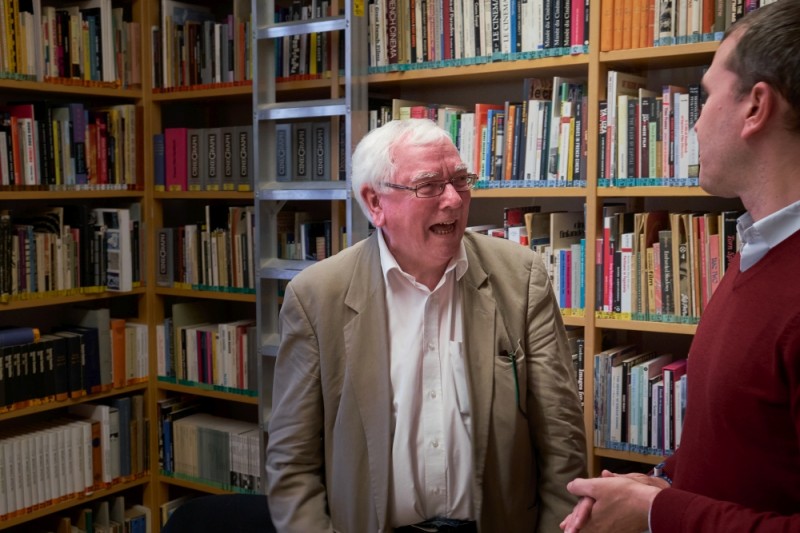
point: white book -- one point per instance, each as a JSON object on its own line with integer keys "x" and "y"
{"x": 619, "y": 83}
{"x": 50, "y": 442}
{"x": 78, "y": 479}
{"x": 5, "y": 478}
{"x": 118, "y": 247}
{"x": 103, "y": 414}
{"x": 468, "y": 30}
{"x": 467, "y": 135}
{"x": 615, "y": 418}
{"x": 638, "y": 428}
{"x": 176, "y": 14}
{"x": 680, "y": 407}
{"x": 61, "y": 462}
{"x": 622, "y": 136}
{"x": 17, "y": 462}
{"x": 556, "y": 112}
{"x": 575, "y": 266}
{"x": 626, "y": 272}
{"x": 657, "y": 391}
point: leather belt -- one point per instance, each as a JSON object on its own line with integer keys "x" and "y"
{"x": 440, "y": 525}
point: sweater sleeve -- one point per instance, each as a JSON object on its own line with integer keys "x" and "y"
{"x": 676, "y": 510}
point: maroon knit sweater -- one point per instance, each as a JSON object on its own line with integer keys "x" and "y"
{"x": 738, "y": 465}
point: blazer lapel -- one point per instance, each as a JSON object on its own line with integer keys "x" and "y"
{"x": 367, "y": 348}
{"x": 480, "y": 337}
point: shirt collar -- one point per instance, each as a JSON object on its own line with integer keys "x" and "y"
{"x": 760, "y": 237}
{"x": 389, "y": 263}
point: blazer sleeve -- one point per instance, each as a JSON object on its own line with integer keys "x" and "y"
{"x": 555, "y": 416}
{"x": 295, "y": 456}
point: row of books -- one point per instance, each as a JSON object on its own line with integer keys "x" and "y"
{"x": 70, "y": 249}
{"x": 204, "y": 159}
{"x": 661, "y": 265}
{"x": 196, "y": 46}
{"x": 66, "y": 146}
{"x": 303, "y": 237}
{"x": 214, "y": 254}
{"x": 91, "y": 447}
{"x": 303, "y": 151}
{"x": 537, "y": 140}
{"x": 642, "y": 23}
{"x": 445, "y": 30}
{"x": 199, "y": 446}
{"x": 560, "y": 238}
{"x": 107, "y": 516}
{"x": 304, "y": 56}
{"x": 639, "y": 400}
{"x": 87, "y": 40}
{"x": 89, "y": 354}
{"x": 647, "y": 135}
{"x": 197, "y": 344}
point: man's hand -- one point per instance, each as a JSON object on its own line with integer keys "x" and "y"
{"x": 615, "y": 502}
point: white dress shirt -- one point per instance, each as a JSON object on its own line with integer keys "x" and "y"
{"x": 759, "y": 237}
{"x": 431, "y": 447}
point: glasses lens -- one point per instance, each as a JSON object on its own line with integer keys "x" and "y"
{"x": 429, "y": 190}
{"x": 461, "y": 183}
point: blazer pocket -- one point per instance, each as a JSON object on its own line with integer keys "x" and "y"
{"x": 511, "y": 379}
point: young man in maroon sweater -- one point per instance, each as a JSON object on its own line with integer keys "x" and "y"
{"x": 738, "y": 466}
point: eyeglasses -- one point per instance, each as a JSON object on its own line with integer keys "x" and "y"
{"x": 432, "y": 189}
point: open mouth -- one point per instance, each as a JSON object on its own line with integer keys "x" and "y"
{"x": 443, "y": 229}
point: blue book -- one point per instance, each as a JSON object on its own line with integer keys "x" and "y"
{"x": 14, "y": 336}
{"x": 159, "y": 163}
{"x": 123, "y": 405}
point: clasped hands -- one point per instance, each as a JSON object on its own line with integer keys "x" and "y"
{"x": 618, "y": 503}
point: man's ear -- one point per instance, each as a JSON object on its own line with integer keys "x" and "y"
{"x": 763, "y": 103}
{"x": 373, "y": 202}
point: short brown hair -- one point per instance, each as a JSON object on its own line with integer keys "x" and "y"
{"x": 769, "y": 50}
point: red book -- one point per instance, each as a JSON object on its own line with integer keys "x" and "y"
{"x": 118, "y": 355}
{"x": 176, "y": 174}
{"x": 481, "y": 114}
{"x": 671, "y": 374}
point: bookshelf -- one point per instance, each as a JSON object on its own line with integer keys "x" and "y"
{"x": 203, "y": 222}
{"x": 65, "y": 185}
{"x": 500, "y": 79}
{"x": 331, "y": 114}
{"x": 204, "y": 105}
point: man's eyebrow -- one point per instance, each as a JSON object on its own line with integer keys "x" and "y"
{"x": 422, "y": 176}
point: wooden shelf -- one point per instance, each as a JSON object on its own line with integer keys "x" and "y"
{"x": 205, "y": 195}
{"x": 69, "y": 88}
{"x": 475, "y": 74}
{"x": 46, "y": 300}
{"x": 628, "y": 456}
{"x": 206, "y": 295}
{"x": 661, "y": 57}
{"x": 64, "y": 505}
{"x": 56, "y": 404}
{"x": 640, "y": 325}
{"x": 531, "y": 192}
{"x": 201, "y": 390}
{"x": 663, "y": 192}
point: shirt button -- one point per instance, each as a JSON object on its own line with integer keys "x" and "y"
{"x": 431, "y": 346}
{"x": 433, "y": 394}
{"x": 435, "y": 443}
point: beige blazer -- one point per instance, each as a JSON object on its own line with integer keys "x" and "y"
{"x": 330, "y": 432}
